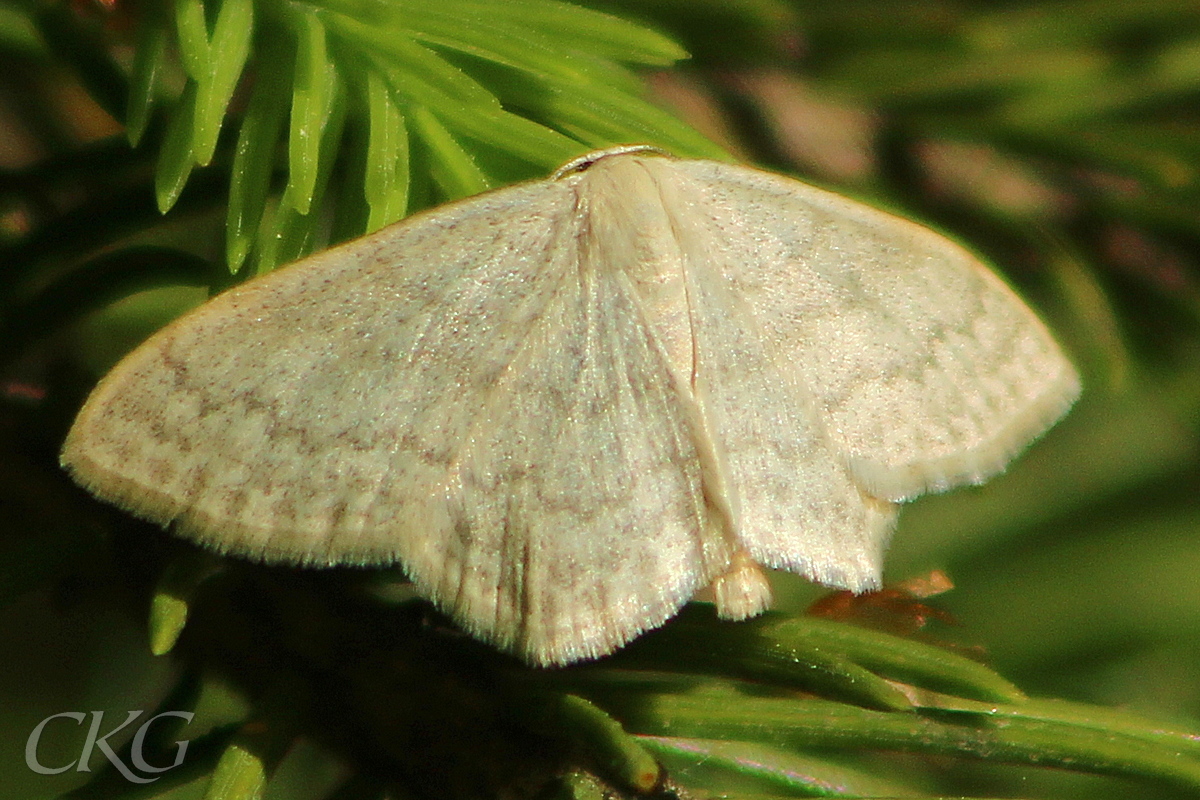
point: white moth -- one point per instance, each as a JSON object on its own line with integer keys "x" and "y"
{"x": 566, "y": 406}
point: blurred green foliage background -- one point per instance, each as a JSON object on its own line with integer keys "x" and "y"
{"x": 153, "y": 152}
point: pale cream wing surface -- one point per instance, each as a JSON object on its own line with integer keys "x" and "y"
{"x": 460, "y": 394}
{"x": 579, "y": 508}
{"x": 284, "y": 418}
{"x": 928, "y": 370}
{"x": 795, "y": 501}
